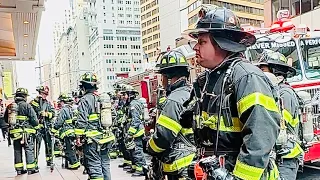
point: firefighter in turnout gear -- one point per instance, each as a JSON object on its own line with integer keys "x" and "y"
{"x": 237, "y": 118}
{"x": 65, "y": 123}
{"x": 123, "y": 124}
{"x": 45, "y": 113}
{"x": 22, "y": 131}
{"x": 173, "y": 139}
{"x": 97, "y": 138}
{"x": 275, "y": 66}
{"x": 135, "y": 134}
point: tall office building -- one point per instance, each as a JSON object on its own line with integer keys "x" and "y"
{"x": 114, "y": 39}
{"x": 249, "y": 12}
{"x": 150, "y": 27}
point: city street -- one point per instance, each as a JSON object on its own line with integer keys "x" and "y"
{"x": 7, "y": 171}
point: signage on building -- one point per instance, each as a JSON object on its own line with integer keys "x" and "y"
{"x": 7, "y": 84}
{"x": 272, "y": 44}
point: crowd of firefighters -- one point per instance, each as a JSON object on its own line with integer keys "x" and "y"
{"x": 238, "y": 120}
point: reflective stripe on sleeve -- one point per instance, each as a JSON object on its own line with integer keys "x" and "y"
{"x": 169, "y": 123}
{"x": 256, "y": 98}
{"x": 289, "y": 119}
{"x": 154, "y": 147}
{"x": 245, "y": 171}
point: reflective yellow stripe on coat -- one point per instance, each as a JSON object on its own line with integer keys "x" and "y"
{"x": 169, "y": 123}
{"x": 245, "y": 171}
{"x": 256, "y": 98}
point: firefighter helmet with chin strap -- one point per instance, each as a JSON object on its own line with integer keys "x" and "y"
{"x": 173, "y": 63}
{"x": 224, "y": 28}
{"x": 276, "y": 62}
{"x": 89, "y": 78}
{"x": 22, "y": 91}
{"x": 43, "y": 89}
{"x": 65, "y": 98}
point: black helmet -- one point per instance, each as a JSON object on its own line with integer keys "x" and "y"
{"x": 277, "y": 62}
{"x": 89, "y": 78}
{"x": 173, "y": 63}
{"x": 43, "y": 89}
{"x": 65, "y": 98}
{"x": 224, "y": 27}
{"x": 22, "y": 91}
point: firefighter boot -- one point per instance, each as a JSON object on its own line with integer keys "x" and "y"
{"x": 20, "y": 172}
{"x": 33, "y": 171}
{"x": 123, "y": 165}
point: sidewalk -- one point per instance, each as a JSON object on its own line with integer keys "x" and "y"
{"x": 7, "y": 171}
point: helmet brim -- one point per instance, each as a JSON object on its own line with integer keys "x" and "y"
{"x": 246, "y": 39}
{"x": 93, "y": 83}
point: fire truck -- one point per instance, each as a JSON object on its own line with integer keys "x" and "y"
{"x": 302, "y": 49}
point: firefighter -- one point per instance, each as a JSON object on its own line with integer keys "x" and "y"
{"x": 172, "y": 141}
{"x": 45, "y": 113}
{"x": 97, "y": 139}
{"x": 22, "y": 131}
{"x": 274, "y": 63}
{"x": 238, "y": 118}
{"x": 135, "y": 133}
{"x": 65, "y": 122}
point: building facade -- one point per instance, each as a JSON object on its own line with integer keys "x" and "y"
{"x": 114, "y": 39}
{"x": 150, "y": 28}
{"x": 174, "y": 20}
{"x": 249, "y": 12}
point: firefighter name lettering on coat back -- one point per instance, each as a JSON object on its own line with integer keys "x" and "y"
{"x": 272, "y": 44}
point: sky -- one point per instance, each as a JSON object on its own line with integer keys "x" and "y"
{"x": 28, "y": 77}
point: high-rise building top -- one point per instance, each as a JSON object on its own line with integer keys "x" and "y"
{"x": 114, "y": 40}
{"x": 150, "y": 27}
{"x": 249, "y": 12}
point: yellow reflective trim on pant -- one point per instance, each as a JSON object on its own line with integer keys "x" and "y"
{"x": 133, "y": 166}
{"x": 138, "y": 168}
{"x": 178, "y": 164}
{"x": 75, "y": 165}
{"x": 154, "y": 147}
{"x": 127, "y": 161}
{"x": 98, "y": 178}
{"x": 256, "y": 98}
{"x": 288, "y": 117}
{"x": 57, "y": 152}
{"x": 68, "y": 121}
{"x": 49, "y": 115}
{"x": 132, "y": 130}
{"x": 79, "y": 131}
{"x": 245, "y": 171}
{"x": 48, "y": 158}
{"x": 162, "y": 100}
{"x": 139, "y": 133}
{"x": 274, "y": 173}
{"x": 92, "y": 133}
{"x": 22, "y": 118}
{"x": 113, "y": 154}
{"x": 39, "y": 126}
{"x": 169, "y": 123}
{"x": 18, "y": 165}
{"x": 30, "y": 166}
{"x": 66, "y": 133}
{"x": 186, "y": 131}
{"x": 106, "y": 140}
{"x": 212, "y": 123}
{"x": 32, "y": 131}
{"x": 93, "y": 117}
{"x": 35, "y": 103}
{"x": 294, "y": 152}
{"x": 13, "y": 131}
{"x": 54, "y": 130}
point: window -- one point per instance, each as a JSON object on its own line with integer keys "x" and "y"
{"x": 105, "y": 21}
{"x": 129, "y": 15}
{"x": 104, "y": 7}
{"x": 119, "y": 46}
{"x": 128, "y": 2}
{"x": 104, "y": 14}
{"x": 120, "y": 15}
{"x": 109, "y": 46}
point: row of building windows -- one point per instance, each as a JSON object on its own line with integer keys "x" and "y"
{"x": 121, "y": 38}
{"x": 151, "y": 38}
{"x": 296, "y": 7}
{"x": 119, "y": 46}
{"x": 122, "y": 61}
{"x": 194, "y": 19}
{"x": 239, "y": 8}
{"x": 149, "y": 14}
{"x": 127, "y": 15}
{"x": 148, "y": 6}
{"x": 150, "y": 30}
{"x": 149, "y": 22}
